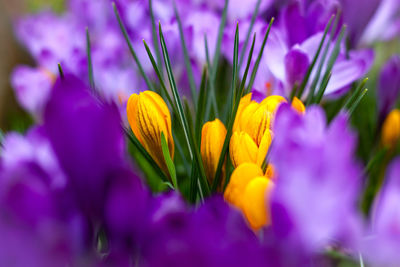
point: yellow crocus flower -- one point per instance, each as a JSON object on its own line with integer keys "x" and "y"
{"x": 391, "y": 129}
{"x": 249, "y": 190}
{"x": 252, "y": 136}
{"x": 212, "y": 139}
{"x": 148, "y": 116}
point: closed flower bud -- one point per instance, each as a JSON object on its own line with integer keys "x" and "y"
{"x": 252, "y": 136}
{"x": 148, "y": 116}
{"x": 212, "y": 139}
{"x": 249, "y": 191}
{"x": 391, "y": 129}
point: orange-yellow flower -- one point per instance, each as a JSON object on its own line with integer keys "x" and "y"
{"x": 148, "y": 116}
{"x": 391, "y": 129}
{"x": 252, "y": 136}
{"x": 249, "y": 191}
{"x": 212, "y": 139}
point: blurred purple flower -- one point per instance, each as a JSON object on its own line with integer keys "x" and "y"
{"x": 382, "y": 244}
{"x": 378, "y": 20}
{"x": 32, "y": 88}
{"x": 39, "y": 226}
{"x": 87, "y": 138}
{"x": 389, "y": 86}
{"x": 213, "y": 235}
{"x": 53, "y": 39}
{"x": 34, "y": 148}
{"x": 322, "y": 168}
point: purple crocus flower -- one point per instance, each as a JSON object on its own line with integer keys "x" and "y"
{"x": 32, "y": 88}
{"x": 288, "y": 63}
{"x": 213, "y": 235}
{"x": 87, "y": 138}
{"x": 34, "y": 148}
{"x": 40, "y": 226}
{"x": 389, "y": 86}
{"x": 314, "y": 202}
{"x": 382, "y": 243}
{"x": 53, "y": 39}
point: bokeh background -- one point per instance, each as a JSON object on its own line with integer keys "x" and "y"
{"x": 12, "y": 117}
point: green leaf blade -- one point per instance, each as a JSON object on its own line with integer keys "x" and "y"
{"x": 168, "y": 161}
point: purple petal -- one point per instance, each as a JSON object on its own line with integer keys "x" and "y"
{"x": 295, "y": 23}
{"x": 87, "y": 138}
{"x": 296, "y": 65}
{"x": 346, "y": 71}
{"x": 389, "y": 86}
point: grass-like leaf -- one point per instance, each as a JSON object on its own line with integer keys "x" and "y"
{"x": 235, "y": 70}
{"x": 144, "y": 153}
{"x": 354, "y": 95}
{"x": 356, "y": 102}
{"x": 260, "y": 54}
{"x": 331, "y": 62}
{"x": 201, "y": 106}
{"x": 168, "y": 161}
{"x": 193, "y": 183}
{"x": 160, "y": 78}
{"x": 219, "y": 41}
{"x": 89, "y": 58}
{"x": 194, "y": 153}
{"x": 155, "y": 37}
{"x": 214, "y": 66}
{"x": 311, "y": 96}
{"x": 133, "y": 53}
{"x": 246, "y": 72}
{"x": 314, "y": 61}
{"x": 234, "y": 105}
{"x": 213, "y": 100}
{"x": 322, "y": 88}
{"x": 188, "y": 64}
{"x": 60, "y": 71}
{"x": 251, "y": 26}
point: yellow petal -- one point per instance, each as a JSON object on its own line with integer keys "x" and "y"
{"x": 391, "y": 129}
{"x": 298, "y": 105}
{"x": 148, "y": 116}
{"x": 240, "y": 177}
{"x": 246, "y": 116}
{"x": 131, "y": 110}
{"x": 163, "y": 109}
{"x": 254, "y": 200}
{"x": 212, "y": 139}
{"x": 258, "y": 123}
{"x": 244, "y": 102}
{"x": 270, "y": 172}
{"x": 264, "y": 147}
{"x": 242, "y": 149}
{"x": 272, "y": 102}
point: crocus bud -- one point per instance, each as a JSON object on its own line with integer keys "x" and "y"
{"x": 212, "y": 139}
{"x": 251, "y": 136}
{"x": 148, "y": 116}
{"x": 243, "y": 149}
{"x": 249, "y": 191}
{"x": 391, "y": 129}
